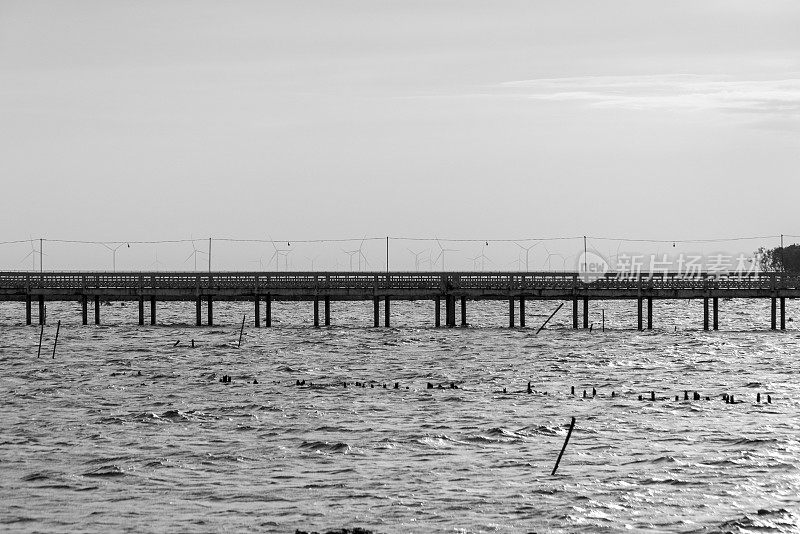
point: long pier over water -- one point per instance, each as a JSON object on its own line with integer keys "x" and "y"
{"x": 450, "y": 289}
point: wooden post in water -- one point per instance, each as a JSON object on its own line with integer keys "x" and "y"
{"x": 564, "y": 447}
{"x": 783, "y": 313}
{"x": 27, "y": 309}
{"x": 268, "y": 315}
{"x": 41, "y": 335}
{"x": 141, "y": 310}
{"x": 511, "y": 321}
{"x": 42, "y": 317}
{"x": 649, "y": 313}
{"x": 84, "y": 310}
{"x": 437, "y": 312}
{"x": 386, "y": 311}
{"x": 198, "y": 311}
{"x": 574, "y": 313}
{"x": 316, "y": 312}
{"x": 210, "y": 310}
{"x": 58, "y": 328}
{"x": 97, "y": 309}
{"x": 463, "y": 311}
{"x": 241, "y": 331}
{"x": 153, "y": 310}
{"x": 522, "y": 312}
{"x": 586, "y": 312}
{"x": 376, "y": 313}
{"x": 705, "y": 313}
{"x": 327, "y": 311}
{"x": 257, "y": 310}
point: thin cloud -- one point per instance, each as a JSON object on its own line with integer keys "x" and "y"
{"x": 667, "y": 92}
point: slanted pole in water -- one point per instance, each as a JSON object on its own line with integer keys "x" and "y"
{"x": 551, "y": 316}
{"x": 58, "y": 329}
{"x": 564, "y": 447}
{"x": 241, "y": 331}
{"x": 41, "y": 335}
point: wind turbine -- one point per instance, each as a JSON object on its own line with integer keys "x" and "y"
{"x": 361, "y": 254}
{"x": 260, "y": 262}
{"x": 483, "y": 259}
{"x": 416, "y": 257}
{"x": 350, "y": 254}
{"x": 157, "y": 264}
{"x": 312, "y": 260}
{"x": 550, "y": 255}
{"x": 32, "y": 255}
{"x": 114, "y": 253}
{"x": 527, "y": 252}
{"x": 442, "y": 250}
{"x": 194, "y": 254}
{"x": 277, "y": 256}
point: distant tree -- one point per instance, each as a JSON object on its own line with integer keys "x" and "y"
{"x": 780, "y": 258}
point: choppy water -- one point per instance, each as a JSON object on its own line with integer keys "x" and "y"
{"x": 87, "y": 444}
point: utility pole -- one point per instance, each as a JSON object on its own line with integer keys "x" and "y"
{"x": 209, "y": 254}
{"x": 584, "y": 254}
{"x": 41, "y": 255}
{"x": 783, "y": 264}
{"x": 387, "y": 253}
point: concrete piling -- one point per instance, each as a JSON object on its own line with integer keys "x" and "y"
{"x": 715, "y": 301}
{"x": 256, "y": 311}
{"x": 649, "y": 313}
{"x": 141, "y": 312}
{"x": 42, "y": 318}
{"x": 783, "y": 313}
{"x": 97, "y": 309}
{"x": 316, "y": 312}
{"x": 268, "y": 311}
{"x": 463, "y": 312}
{"x": 522, "y": 312}
{"x": 375, "y": 312}
{"x": 28, "y": 310}
{"x": 437, "y": 312}
{"x": 705, "y": 313}
{"x": 586, "y": 312}
{"x": 153, "y": 310}
{"x": 773, "y": 309}
{"x": 198, "y": 311}
{"x": 387, "y": 312}
{"x": 327, "y": 311}
{"x": 511, "y": 321}
{"x": 84, "y": 310}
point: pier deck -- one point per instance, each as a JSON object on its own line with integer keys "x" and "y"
{"x": 387, "y": 286}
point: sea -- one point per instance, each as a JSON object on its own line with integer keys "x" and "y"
{"x": 124, "y": 428}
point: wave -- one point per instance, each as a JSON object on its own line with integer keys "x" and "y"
{"x": 324, "y": 446}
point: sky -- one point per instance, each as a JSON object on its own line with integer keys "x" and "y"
{"x": 304, "y": 120}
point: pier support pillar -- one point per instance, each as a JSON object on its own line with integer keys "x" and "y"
{"x": 522, "y": 312}
{"x": 386, "y": 312}
{"x": 327, "y": 311}
{"x": 463, "y": 311}
{"x": 210, "y": 310}
{"x": 511, "y": 320}
{"x": 376, "y": 311}
{"x": 649, "y": 313}
{"x": 451, "y": 311}
{"x": 141, "y": 311}
{"x": 268, "y": 314}
{"x": 586, "y": 312}
{"x": 783, "y": 313}
{"x": 316, "y": 312}
{"x": 28, "y": 310}
{"x": 705, "y": 313}
{"x": 84, "y": 310}
{"x": 97, "y": 309}
{"x": 438, "y": 312}
{"x": 42, "y": 317}
{"x": 575, "y": 313}
{"x": 639, "y": 313}
{"x": 153, "y": 310}
{"x": 198, "y": 311}
{"x": 774, "y": 323}
{"x": 715, "y": 301}
{"x": 257, "y": 309}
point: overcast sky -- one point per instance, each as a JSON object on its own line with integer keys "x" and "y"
{"x": 296, "y": 119}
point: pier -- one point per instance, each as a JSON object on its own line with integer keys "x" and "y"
{"x": 447, "y": 290}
